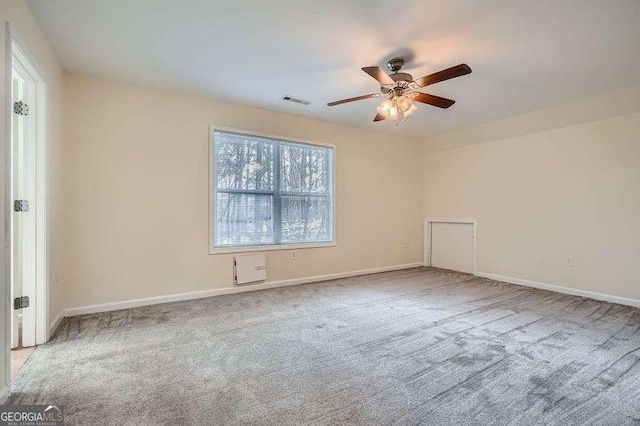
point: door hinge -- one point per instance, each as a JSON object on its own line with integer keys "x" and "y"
{"x": 21, "y": 206}
{"x": 20, "y": 108}
{"x": 21, "y": 302}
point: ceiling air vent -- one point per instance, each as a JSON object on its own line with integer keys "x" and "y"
{"x": 296, "y": 100}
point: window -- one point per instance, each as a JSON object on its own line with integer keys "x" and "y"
{"x": 270, "y": 192}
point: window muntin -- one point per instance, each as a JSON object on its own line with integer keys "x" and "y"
{"x": 270, "y": 191}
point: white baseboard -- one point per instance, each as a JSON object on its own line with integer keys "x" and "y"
{"x": 133, "y": 303}
{"x": 560, "y": 289}
{"x": 54, "y": 325}
{"x": 4, "y": 394}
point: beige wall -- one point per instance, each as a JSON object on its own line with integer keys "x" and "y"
{"x": 542, "y": 196}
{"x": 136, "y": 194}
{"x": 25, "y": 27}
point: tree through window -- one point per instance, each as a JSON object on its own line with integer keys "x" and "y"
{"x": 270, "y": 191}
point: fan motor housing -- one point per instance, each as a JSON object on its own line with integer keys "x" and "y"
{"x": 401, "y": 76}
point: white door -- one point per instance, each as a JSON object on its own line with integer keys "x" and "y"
{"x": 23, "y": 188}
{"x": 452, "y": 246}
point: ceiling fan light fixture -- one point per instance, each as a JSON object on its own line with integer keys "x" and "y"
{"x": 385, "y": 107}
{"x": 410, "y": 110}
{"x": 397, "y": 108}
{"x": 404, "y": 103}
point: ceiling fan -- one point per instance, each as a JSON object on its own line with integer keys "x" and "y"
{"x": 402, "y": 90}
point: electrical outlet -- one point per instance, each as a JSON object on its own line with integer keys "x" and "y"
{"x": 569, "y": 261}
{"x": 406, "y": 245}
{"x": 294, "y": 255}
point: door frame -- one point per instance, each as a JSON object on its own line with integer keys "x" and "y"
{"x": 20, "y": 54}
{"x": 5, "y": 180}
{"x": 427, "y": 237}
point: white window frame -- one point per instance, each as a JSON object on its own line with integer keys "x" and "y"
{"x": 267, "y": 247}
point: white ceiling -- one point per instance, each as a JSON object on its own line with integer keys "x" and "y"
{"x": 525, "y": 54}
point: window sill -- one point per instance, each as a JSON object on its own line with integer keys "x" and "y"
{"x": 249, "y": 249}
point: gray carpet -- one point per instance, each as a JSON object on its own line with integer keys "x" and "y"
{"x": 415, "y": 346}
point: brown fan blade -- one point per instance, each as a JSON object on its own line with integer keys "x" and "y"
{"x": 357, "y": 98}
{"x": 433, "y": 100}
{"x": 379, "y": 117}
{"x": 449, "y": 73}
{"x": 379, "y": 75}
